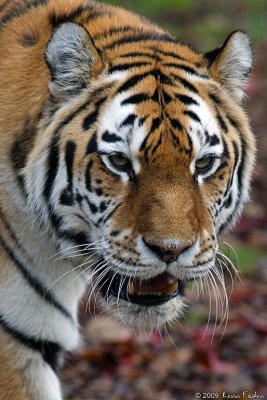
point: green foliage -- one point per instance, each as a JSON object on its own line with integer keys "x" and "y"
{"x": 152, "y": 6}
{"x": 204, "y": 24}
{"x": 196, "y": 318}
{"x": 244, "y": 258}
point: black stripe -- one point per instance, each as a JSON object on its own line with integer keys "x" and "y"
{"x": 79, "y": 238}
{"x": 139, "y": 54}
{"x": 56, "y": 221}
{"x": 35, "y": 284}
{"x": 104, "y": 220}
{"x": 185, "y": 83}
{"x": 170, "y": 54}
{"x": 69, "y": 159}
{"x": 184, "y": 149}
{"x": 81, "y": 217}
{"x": 226, "y": 151}
{"x": 92, "y": 145}
{"x": 233, "y": 122}
{"x": 21, "y": 147}
{"x": 176, "y": 124}
{"x": 157, "y": 145}
{"x": 185, "y": 68}
{"x": 128, "y": 120}
{"x": 153, "y": 36}
{"x": 175, "y": 140}
{"x": 154, "y": 126}
{"x": 92, "y": 206}
{"x": 111, "y": 213}
{"x": 130, "y": 83}
{"x": 241, "y": 165}
{"x": 50, "y": 351}
{"x": 156, "y": 96}
{"x": 135, "y": 99}
{"x": 221, "y": 122}
{"x": 88, "y": 181}
{"x": 243, "y": 155}
{"x": 56, "y": 19}
{"x": 158, "y": 75}
{"x": 228, "y": 201}
{"x": 90, "y": 120}
{"x": 215, "y": 98}
{"x": 114, "y": 233}
{"x": 52, "y": 166}
{"x": 98, "y": 191}
{"x": 127, "y": 66}
{"x": 103, "y": 206}
{"x": 66, "y": 197}
{"x": 237, "y": 152}
{"x": 187, "y": 100}
{"x": 192, "y": 115}
{"x": 213, "y": 140}
{"x": 109, "y": 32}
{"x": 221, "y": 166}
{"x": 166, "y": 96}
{"x": 111, "y": 137}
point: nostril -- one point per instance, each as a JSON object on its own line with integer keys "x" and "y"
{"x": 166, "y": 253}
{"x": 154, "y": 248}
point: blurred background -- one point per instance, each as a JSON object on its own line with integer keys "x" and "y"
{"x": 199, "y": 355}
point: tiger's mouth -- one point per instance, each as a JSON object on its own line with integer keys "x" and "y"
{"x": 144, "y": 292}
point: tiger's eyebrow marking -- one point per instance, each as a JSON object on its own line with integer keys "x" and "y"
{"x": 129, "y": 120}
{"x": 111, "y": 137}
{"x": 212, "y": 140}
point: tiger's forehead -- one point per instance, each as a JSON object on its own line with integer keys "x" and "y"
{"x": 158, "y": 111}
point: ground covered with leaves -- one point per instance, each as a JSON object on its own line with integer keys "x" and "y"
{"x": 198, "y": 355}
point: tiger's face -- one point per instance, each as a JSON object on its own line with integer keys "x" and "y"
{"x": 147, "y": 163}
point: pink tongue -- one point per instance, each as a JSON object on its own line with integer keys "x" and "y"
{"x": 163, "y": 284}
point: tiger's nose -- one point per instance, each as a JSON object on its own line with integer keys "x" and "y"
{"x": 166, "y": 253}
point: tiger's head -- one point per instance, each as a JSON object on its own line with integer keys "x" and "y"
{"x": 145, "y": 157}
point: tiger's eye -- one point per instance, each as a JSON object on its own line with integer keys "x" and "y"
{"x": 204, "y": 164}
{"x": 120, "y": 161}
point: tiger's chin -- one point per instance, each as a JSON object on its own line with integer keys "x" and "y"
{"x": 146, "y": 318}
{"x": 143, "y": 304}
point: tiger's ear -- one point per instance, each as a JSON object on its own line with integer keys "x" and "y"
{"x": 73, "y": 60}
{"x": 231, "y": 63}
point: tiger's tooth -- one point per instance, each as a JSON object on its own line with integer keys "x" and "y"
{"x": 131, "y": 288}
{"x": 172, "y": 288}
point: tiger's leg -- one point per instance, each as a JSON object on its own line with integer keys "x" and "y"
{"x": 24, "y": 375}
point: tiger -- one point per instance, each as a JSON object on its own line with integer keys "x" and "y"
{"x": 124, "y": 154}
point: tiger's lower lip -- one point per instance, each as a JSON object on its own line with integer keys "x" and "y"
{"x": 117, "y": 288}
